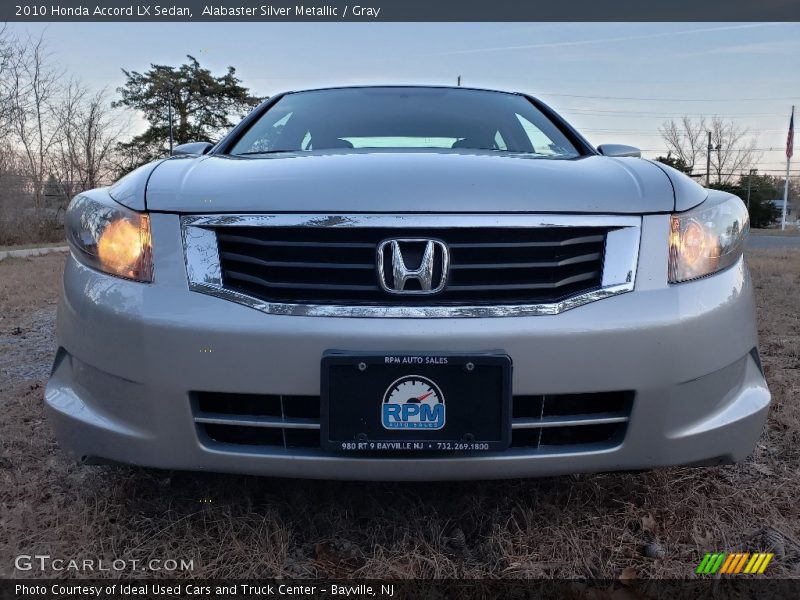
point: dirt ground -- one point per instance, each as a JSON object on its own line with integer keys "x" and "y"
{"x": 592, "y": 526}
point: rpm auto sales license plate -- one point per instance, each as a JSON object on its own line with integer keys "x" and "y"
{"x": 415, "y": 402}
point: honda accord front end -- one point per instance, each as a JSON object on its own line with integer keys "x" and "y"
{"x": 406, "y": 283}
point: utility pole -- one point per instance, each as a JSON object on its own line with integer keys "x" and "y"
{"x": 708, "y": 161}
{"x": 749, "y": 185}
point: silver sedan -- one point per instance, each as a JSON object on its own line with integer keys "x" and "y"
{"x": 406, "y": 283}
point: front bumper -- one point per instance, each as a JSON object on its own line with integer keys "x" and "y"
{"x": 130, "y": 354}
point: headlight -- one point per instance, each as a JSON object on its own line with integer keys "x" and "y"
{"x": 108, "y": 237}
{"x": 707, "y": 239}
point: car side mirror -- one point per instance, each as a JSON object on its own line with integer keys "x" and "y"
{"x": 192, "y": 149}
{"x": 619, "y": 150}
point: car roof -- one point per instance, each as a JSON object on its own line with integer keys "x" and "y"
{"x": 403, "y": 85}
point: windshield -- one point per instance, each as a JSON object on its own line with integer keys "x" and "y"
{"x": 404, "y": 117}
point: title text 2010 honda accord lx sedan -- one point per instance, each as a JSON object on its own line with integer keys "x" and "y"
{"x": 406, "y": 283}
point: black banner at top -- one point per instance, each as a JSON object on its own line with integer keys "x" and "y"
{"x": 397, "y": 10}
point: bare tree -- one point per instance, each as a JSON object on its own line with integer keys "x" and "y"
{"x": 685, "y": 141}
{"x": 33, "y": 85}
{"x": 6, "y": 56}
{"x": 88, "y": 134}
{"x": 733, "y": 148}
{"x": 733, "y": 151}
{"x": 56, "y": 139}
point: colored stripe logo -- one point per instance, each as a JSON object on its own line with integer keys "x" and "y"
{"x": 734, "y": 564}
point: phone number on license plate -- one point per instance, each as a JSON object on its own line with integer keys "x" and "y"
{"x": 418, "y": 446}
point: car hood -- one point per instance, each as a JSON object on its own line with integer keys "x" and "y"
{"x": 415, "y": 182}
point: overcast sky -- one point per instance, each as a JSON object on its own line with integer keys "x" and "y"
{"x": 614, "y": 82}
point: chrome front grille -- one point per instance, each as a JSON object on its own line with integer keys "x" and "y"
{"x": 338, "y": 266}
{"x": 490, "y": 265}
{"x": 553, "y": 422}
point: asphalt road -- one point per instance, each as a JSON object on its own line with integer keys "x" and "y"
{"x": 774, "y": 241}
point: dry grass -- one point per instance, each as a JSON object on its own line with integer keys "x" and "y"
{"x": 577, "y": 526}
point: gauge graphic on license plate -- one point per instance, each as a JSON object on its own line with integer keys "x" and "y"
{"x": 413, "y": 402}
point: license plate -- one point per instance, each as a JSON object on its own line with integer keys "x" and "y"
{"x": 415, "y": 402}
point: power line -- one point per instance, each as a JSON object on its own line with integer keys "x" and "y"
{"x": 776, "y": 149}
{"x": 590, "y": 111}
{"x": 667, "y": 150}
{"x": 766, "y": 99}
{"x": 644, "y": 132}
{"x": 669, "y": 116}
